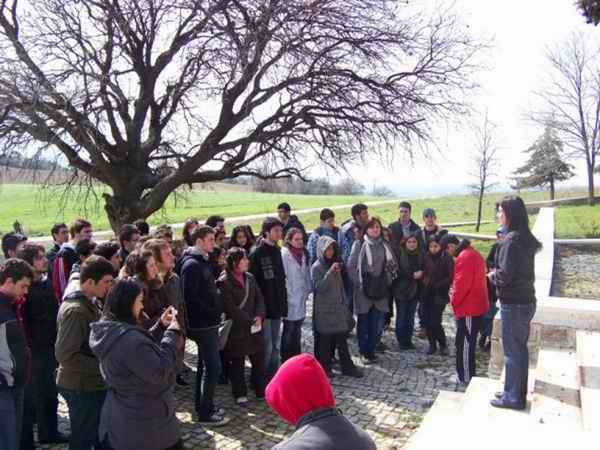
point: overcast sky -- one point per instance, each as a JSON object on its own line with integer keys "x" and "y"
{"x": 521, "y": 31}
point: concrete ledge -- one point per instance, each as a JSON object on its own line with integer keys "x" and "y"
{"x": 576, "y": 242}
{"x": 559, "y": 202}
{"x": 474, "y": 236}
{"x": 588, "y": 375}
{"x": 555, "y": 400}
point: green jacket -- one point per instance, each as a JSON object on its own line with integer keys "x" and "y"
{"x": 78, "y": 368}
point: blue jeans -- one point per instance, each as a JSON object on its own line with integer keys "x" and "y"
{"x": 516, "y": 320}
{"x": 291, "y": 339}
{"x": 369, "y": 329}
{"x": 85, "y": 408}
{"x": 11, "y": 415}
{"x": 208, "y": 370}
{"x": 272, "y": 335}
{"x": 405, "y": 321}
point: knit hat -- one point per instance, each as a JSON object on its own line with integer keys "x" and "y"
{"x": 299, "y": 387}
{"x": 429, "y": 212}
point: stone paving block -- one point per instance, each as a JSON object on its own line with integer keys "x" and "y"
{"x": 388, "y": 402}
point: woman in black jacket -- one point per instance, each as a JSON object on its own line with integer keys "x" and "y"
{"x": 244, "y": 305}
{"x": 514, "y": 279}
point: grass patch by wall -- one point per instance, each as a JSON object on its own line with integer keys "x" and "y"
{"x": 576, "y": 222}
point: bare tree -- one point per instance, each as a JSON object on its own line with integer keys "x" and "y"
{"x": 146, "y": 96}
{"x": 571, "y": 100}
{"x": 485, "y": 161}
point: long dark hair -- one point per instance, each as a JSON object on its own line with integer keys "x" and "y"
{"x": 517, "y": 220}
{"x": 119, "y": 302}
{"x": 250, "y": 239}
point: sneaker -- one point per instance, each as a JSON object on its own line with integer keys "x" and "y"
{"x": 365, "y": 360}
{"x": 219, "y": 411}
{"x": 242, "y": 401}
{"x": 330, "y": 374}
{"x": 355, "y": 373}
{"x": 214, "y": 420}
{"x": 422, "y": 334}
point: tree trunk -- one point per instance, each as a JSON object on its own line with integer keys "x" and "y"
{"x": 591, "y": 195}
{"x": 122, "y": 210}
{"x": 552, "y": 193}
{"x": 479, "y": 209}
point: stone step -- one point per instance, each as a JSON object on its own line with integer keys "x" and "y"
{"x": 476, "y": 406}
{"x": 588, "y": 374}
{"x": 555, "y": 400}
{"x": 438, "y": 422}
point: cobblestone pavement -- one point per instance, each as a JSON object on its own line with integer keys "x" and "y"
{"x": 388, "y": 402}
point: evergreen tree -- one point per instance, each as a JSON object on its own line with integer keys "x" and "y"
{"x": 590, "y": 9}
{"x": 545, "y": 166}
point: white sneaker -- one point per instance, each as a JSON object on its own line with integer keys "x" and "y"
{"x": 242, "y": 401}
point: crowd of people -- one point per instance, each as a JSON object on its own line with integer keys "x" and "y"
{"x": 105, "y": 324}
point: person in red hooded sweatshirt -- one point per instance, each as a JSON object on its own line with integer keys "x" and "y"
{"x": 301, "y": 394}
{"x": 469, "y": 300}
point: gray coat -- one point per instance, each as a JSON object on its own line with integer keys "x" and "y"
{"x": 139, "y": 410}
{"x": 327, "y": 429}
{"x": 329, "y": 310}
{"x": 363, "y": 304}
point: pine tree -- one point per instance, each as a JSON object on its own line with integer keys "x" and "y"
{"x": 545, "y": 166}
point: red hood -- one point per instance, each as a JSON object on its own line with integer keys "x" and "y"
{"x": 300, "y": 386}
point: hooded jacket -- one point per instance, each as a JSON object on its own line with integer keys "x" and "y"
{"x": 514, "y": 277}
{"x": 139, "y": 410}
{"x": 15, "y": 358}
{"x": 469, "y": 287}
{"x": 329, "y": 310}
{"x": 267, "y": 267}
{"x": 300, "y": 394}
{"x": 78, "y": 368}
{"x": 297, "y": 282}
{"x": 241, "y": 341}
{"x": 311, "y": 246}
{"x": 202, "y": 298}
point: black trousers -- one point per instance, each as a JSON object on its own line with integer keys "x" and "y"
{"x": 466, "y": 339}
{"x": 291, "y": 339}
{"x": 237, "y": 375}
{"x": 325, "y": 351}
{"x": 432, "y": 315}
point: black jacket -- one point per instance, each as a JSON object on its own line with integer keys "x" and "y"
{"x": 398, "y": 236}
{"x": 14, "y": 354}
{"x": 202, "y": 298}
{"x": 267, "y": 267}
{"x": 294, "y": 222}
{"x": 327, "y": 429}
{"x": 39, "y": 316}
{"x": 439, "y": 272}
{"x": 515, "y": 270}
{"x": 405, "y": 287}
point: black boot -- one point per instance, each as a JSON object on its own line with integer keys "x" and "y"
{"x": 442, "y": 344}
{"x": 432, "y": 344}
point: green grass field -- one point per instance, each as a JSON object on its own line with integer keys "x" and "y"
{"x": 38, "y": 208}
{"x": 574, "y": 222}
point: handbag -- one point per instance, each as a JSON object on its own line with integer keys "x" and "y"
{"x": 376, "y": 287}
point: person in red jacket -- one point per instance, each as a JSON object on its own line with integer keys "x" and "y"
{"x": 469, "y": 301}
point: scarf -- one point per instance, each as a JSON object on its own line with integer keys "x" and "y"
{"x": 297, "y": 253}
{"x": 372, "y": 266}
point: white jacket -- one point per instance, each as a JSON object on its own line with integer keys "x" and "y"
{"x": 298, "y": 284}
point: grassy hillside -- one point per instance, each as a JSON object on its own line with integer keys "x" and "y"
{"x": 38, "y": 208}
